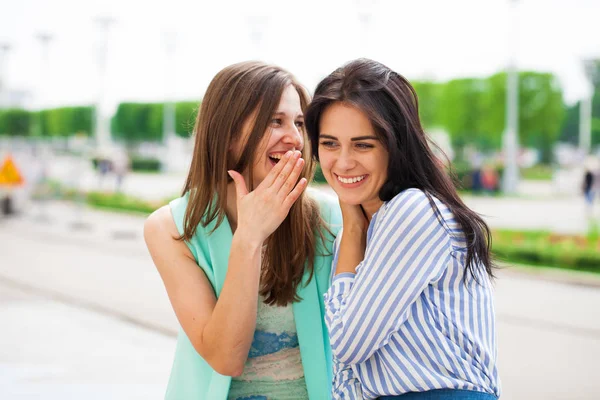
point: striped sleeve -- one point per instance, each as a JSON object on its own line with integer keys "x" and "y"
{"x": 408, "y": 250}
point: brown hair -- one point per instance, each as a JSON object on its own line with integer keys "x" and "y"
{"x": 237, "y": 93}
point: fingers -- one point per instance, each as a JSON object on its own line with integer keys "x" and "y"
{"x": 287, "y": 177}
{"x": 292, "y": 178}
{"x": 240, "y": 184}
{"x": 268, "y": 181}
{"x": 295, "y": 194}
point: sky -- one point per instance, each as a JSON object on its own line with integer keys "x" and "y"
{"x": 425, "y": 39}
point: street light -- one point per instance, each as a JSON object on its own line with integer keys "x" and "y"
{"x": 45, "y": 39}
{"x": 511, "y": 130}
{"x": 4, "y": 49}
{"x": 364, "y": 9}
{"x": 170, "y": 155}
{"x": 590, "y": 67}
{"x": 169, "y": 107}
{"x": 257, "y": 25}
{"x": 102, "y": 133}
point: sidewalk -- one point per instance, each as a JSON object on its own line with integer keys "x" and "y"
{"x": 63, "y": 352}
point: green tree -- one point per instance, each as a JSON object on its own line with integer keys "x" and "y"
{"x": 541, "y": 109}
{"x": 185, "y": 117}
{"x": 462, "y": 112}
{"x": 15, "y": 122}
{"x": 429, "y": 102}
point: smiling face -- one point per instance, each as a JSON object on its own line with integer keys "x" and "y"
{"x": 353, "y": 159}
{"x": 285, "y": 132}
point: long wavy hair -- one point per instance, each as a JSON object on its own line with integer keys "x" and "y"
{"x": 391, "y": 104}
{"x": 236, "y": 94}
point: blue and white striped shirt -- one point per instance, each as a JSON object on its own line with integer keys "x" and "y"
{"x": 410, "y": 319}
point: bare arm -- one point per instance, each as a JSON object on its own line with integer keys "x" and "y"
{"x": 221, "y": 330}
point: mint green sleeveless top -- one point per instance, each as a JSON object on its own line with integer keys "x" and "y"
{"x": 192, "y": 378}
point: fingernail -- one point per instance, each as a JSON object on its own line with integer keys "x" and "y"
{"x": 288, "y": 154}
{"x": 230, "y": 174}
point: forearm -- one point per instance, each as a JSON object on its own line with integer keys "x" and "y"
{"x": 229, "y": 332}
{"x": 352, "y": 249}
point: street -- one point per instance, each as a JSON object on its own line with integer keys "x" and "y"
{"x": 85, "y": 315}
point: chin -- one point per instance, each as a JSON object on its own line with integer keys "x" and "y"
{"x": 351, "y": 200}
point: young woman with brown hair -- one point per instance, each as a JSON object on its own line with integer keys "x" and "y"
{"x": 245, "y": 253}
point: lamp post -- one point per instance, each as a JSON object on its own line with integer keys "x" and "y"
{"x": 4, "y": 50}
{"x": 102, "y": 131}
{"x": 592, "y": 74}
{"x": 364, "y": 9}
{"x": 257, "y": 25}
{"x": 169, "y": 105}
{"x": 45, "y": 39}
{"x": 511, "y": 130}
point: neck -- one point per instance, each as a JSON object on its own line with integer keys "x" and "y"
{"x": 371, "y": 208}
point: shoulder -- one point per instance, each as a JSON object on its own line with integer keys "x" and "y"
{"x": 160, "y": 223}
{"x": 408, "y": 199}
{"x": 162, "y": 235}
{"x": 415, "y": 204}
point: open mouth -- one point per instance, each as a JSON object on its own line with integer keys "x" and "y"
{"x": 275, "y": 158}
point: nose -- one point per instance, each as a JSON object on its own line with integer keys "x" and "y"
{"x": 294, "y": 137}
{"x": 345, "y": 161}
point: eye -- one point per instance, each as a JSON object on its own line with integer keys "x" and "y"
{"x": 328, "y": 143}
{"x": 300, "y": 124}
{"x": 276, "y": 121}
{"x": 364, "y": 146}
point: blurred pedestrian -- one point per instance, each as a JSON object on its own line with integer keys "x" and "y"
{"x": 121, "y": 166}
{"x": 246, "y": 257}
{"x": 590, "y": 181}
{"x": 489, "y": 179}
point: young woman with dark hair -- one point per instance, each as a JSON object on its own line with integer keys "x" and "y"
{"x": 410, "y": 312}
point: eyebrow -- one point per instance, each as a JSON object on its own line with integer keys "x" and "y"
{"x": 354, "y": 139}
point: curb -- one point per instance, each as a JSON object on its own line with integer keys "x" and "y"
{"x": 557, "y": 275}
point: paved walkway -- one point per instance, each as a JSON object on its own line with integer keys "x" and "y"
{"x": 53, "y": 350}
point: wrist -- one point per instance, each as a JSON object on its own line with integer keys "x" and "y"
{"x": 354, "y": 228}
{"x": 247, "y": 239}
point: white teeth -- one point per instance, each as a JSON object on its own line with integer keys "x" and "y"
{"x": 276, "y": 156}
{"x": 351, "y": 180}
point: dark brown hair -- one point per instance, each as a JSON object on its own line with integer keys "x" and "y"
{"x": 391, "y": 104}
{"x": 236, "y": 94}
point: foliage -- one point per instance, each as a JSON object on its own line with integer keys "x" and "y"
{"x": 15, "y": 122}
{"x": 121, "y": 202}
{"x": 463, "y": 113}
{"x": 541, "y": 109}
{"x": 319, "y": 178}
{"x": 540, "y": 172}
{"x": 569, "y": 131}
{"x": 136, "y": 122}
{"x": 145, "y": 164}
{"x": 429, "y": 102}
{"x": 548, "y": 249}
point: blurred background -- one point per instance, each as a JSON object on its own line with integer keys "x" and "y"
{"x": 97, "y": 104}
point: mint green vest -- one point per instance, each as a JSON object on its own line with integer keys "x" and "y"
{"x": 192, "y": 378}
